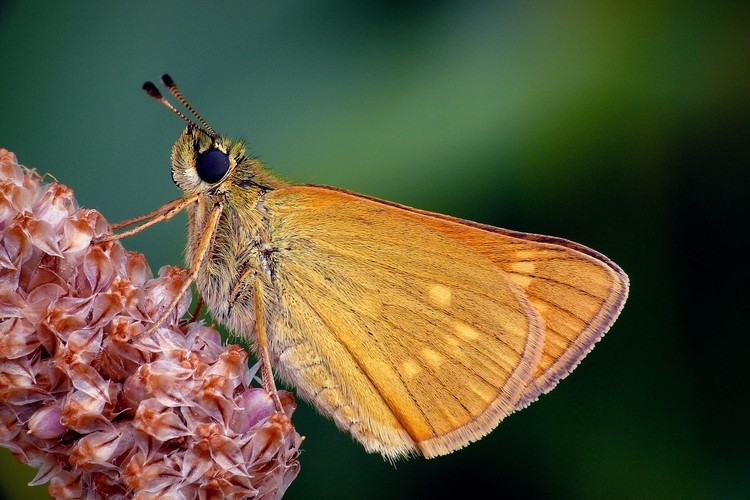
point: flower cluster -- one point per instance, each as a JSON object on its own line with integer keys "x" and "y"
{"x": 100, "y": 410}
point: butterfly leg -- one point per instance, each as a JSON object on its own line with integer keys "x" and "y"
{"x": 265, "y": 358}
{"x": 197, "y": 311}
{"x": 195, "y": 264}
{"x": 165, "y": 212}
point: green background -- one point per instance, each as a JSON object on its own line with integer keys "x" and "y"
{"x": 625, "y": 128}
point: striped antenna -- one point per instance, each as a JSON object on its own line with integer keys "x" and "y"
{"x": 175, "y": 91}
{"x": 151, "y": 89}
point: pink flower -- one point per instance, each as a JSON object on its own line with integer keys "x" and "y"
{"x": 98, "y": 409}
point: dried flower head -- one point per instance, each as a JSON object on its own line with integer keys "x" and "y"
{"x": 101, "y": 411}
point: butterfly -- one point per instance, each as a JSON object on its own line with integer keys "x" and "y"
{"x": 416, "y": 332}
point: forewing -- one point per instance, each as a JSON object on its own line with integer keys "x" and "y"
{"x": 577, "y": 291}
{"x": 389, "y": 325}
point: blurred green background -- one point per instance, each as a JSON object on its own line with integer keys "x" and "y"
{"x": 624, "y": 127}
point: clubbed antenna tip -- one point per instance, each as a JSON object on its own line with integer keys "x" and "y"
{"x": 152, "y": 91}
{"x": 167, "y": 81}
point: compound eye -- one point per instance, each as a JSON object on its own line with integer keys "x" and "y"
{"x": 212, "y": 165}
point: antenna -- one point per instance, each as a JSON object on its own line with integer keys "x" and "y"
{"x": 153, "y": 92}
{"x": 175, "y": 91}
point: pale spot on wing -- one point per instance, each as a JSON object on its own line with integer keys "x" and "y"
{"x": 483, "y": 392}
{"x": 440, "y": 295}
{"x": 410, "y": 368}
{"x": 521, "y": 280}
{"x": 523, "y": 267}
{"x": 434, "y": 358}
{"x": 541, "y": 307}
{"x": 455, "y": 346}
{"x": 466, "y": 331}
{"x": 526, "y": 255}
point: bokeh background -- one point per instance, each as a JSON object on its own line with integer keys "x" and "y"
{"x": 624, "y": 127}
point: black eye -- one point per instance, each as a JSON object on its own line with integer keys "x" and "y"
{"x": 212, "y": 165}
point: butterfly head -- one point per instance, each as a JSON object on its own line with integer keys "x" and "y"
{"x": 201, "y": 159}
{"x": 204, "y": 163}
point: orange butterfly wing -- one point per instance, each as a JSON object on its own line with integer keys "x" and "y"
{"x": 401, "y": 323}
{"x": 578, "y": 292}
